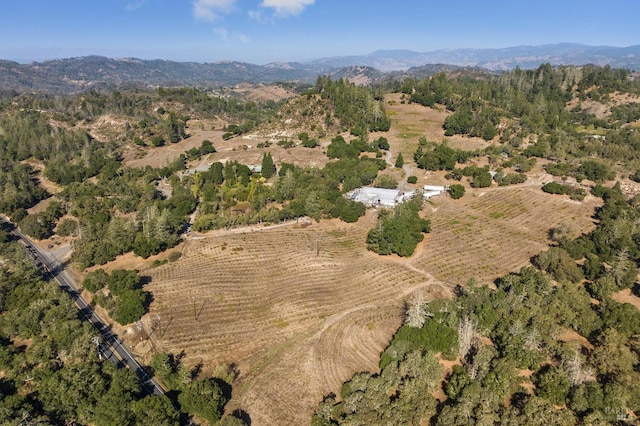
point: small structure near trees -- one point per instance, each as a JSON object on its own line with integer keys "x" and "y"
{"x": 433, "y": 190}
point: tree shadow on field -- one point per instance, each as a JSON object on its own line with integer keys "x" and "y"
{"x": 197, "y": 369}
{"x": 178, "y": 358}
{"x": 242, "y": 415}
{"x": 224, "y": 387}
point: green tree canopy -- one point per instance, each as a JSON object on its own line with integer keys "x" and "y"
{"x": 268, "y": 168}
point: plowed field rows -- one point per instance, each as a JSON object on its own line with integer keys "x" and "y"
{"x": 487, "y": 234}
{"x": 299, "y": 309}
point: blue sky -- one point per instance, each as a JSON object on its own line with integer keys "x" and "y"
{"x": 262, "y": 31}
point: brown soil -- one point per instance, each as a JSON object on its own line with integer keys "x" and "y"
{"x": 109, "y": 127}
{"x": 262, "y": 92}
{"x": 411, "y": 121}
{"x": 448, "y": 369}
{"x": 162, "y": 156}
{"x": 270, "y": 302}
{"x": 46, "y": 184}
{"x": 281, "y": 309}
{"x": 242, "y": 149}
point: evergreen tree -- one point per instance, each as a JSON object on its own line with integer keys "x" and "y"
{"x": 268, "y": 168}
{"x": 399, "y": 161}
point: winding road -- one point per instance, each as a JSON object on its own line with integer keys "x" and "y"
{"x": 111, "y": 347}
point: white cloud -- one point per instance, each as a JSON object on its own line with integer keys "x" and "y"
{"x": 211, "y": 10}
{"x": 134, "y": 5}
{"x": 227, "y": 36}
{"x": 287, "y": 7}
{"x": 222, "y": 33}
{"x": 260, "y": 17}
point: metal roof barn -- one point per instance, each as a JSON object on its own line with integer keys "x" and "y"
{"x": 379, "y": 196}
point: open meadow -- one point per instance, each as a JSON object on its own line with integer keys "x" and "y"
{"x": 298, "y": 308}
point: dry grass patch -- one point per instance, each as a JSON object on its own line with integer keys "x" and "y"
{"x": 161, "y": 156}
{"x": 241, "y": 149}
{"x": 262, "y": 92}
{"x": 412, "y": 121}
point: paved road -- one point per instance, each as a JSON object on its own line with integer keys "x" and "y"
{"x": 111, "y": 347}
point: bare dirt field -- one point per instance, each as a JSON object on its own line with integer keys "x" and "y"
{"x": 262, "y": 92}
{"x": 299, "y": 309}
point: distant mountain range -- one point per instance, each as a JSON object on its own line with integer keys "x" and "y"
{"x": 77, "y": 74}
{"x": 495, "y": 59}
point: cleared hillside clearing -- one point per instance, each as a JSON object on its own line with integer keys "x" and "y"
{"x": 241, "y": 149}
{"x": 411, "y": 121}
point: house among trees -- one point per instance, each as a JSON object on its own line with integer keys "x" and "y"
{"x": 255, "y": 168}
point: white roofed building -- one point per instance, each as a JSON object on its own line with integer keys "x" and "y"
{"x": 379, "y": 196}
{"x": 433, "y": 190}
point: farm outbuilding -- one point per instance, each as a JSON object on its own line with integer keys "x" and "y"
{"x": 379, "y": 196}
{"x": 433, "y": 190}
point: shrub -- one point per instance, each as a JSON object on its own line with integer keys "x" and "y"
{"x": 157, "y": 141}
{"x": 456, "y": 191}
{"x": 67, "y": 227}
{"x": 174, "y": 255}
{"x": 552, "y": 383}
{"x": 95, "y": 280}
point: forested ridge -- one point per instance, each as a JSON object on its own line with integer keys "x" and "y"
{"x": 514, "y": 363}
